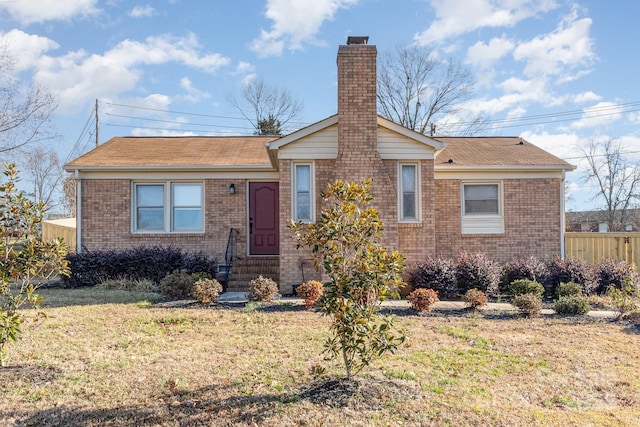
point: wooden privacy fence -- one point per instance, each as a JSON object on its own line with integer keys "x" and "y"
{"x": 64, "y": 228}
{"x": 594, "y": 247}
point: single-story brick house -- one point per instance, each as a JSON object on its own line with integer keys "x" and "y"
{"x": 436, "y": 195}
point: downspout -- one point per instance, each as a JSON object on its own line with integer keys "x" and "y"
{"x": 78, "y": 212}
{"x": 562, "y": 207}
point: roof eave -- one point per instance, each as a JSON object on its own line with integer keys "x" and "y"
{"x": 191, "y": 168}
{"x": 468, "y": 168}
{"x": 438, "y": 146}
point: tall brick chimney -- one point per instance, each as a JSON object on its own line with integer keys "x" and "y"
{"x": 358, "y": 155}
{"x": 357, "y": 115}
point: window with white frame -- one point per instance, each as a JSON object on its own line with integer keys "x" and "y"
{"x": 409, "y": 192}
{"x": 167, "y": 207}
{"x": 482, "y": 208}
{"x": 303, "y": 206}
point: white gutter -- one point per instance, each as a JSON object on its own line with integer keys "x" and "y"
{"x": 78, "y": 212}
{"x": 562, "y": 221}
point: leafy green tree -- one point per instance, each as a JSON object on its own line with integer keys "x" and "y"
{"x": 345, "y": 241}
{"x": 26, "y": 261}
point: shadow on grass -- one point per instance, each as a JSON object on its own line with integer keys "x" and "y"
{"x": 62, "y": 297}
{"x": 222, "y": 405}
{"x": 632, "y": 328}
{"x": 26, "y": 375}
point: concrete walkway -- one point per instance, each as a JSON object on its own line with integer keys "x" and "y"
{"x": 241, "y": 298}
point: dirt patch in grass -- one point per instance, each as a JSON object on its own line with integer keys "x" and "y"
{"x": 139, "y": 363}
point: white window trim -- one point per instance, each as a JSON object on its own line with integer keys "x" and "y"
{"x": 168, "y": 208}
{"x": 312, "y": 192}
{"x": 482, "y": 223}
{"x": 418, "y": 186}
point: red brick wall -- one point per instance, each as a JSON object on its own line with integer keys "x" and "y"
{"x": 106, "y": 218}
{"x": 416, "y": 241}
{"x": 531, "y": 221}
{"x": 358, "y": 157}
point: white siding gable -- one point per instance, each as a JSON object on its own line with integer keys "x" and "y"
{"x": 393, "y": 146}
{"x": 319, "y": 145}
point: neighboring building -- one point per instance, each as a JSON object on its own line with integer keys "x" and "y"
{"x": 436, "y": 195}
{"x": 596, "y": 221}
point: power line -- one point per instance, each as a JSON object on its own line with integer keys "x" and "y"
{"x": 509, "y": 122}
{"x": 178, "y": 129}
{"x": 171, "y": 121}
{"x": 88, "y": 124}
{"x": 189, "y": 113}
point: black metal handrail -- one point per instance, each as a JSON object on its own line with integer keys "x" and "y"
{"x": 230, "y": 254}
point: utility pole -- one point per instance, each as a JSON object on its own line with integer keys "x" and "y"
{"x": 97, "y": 127}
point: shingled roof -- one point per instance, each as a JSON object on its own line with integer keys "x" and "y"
{"x": 498, "y": 152}
{"x": 250, "y": 152}
{"x": 176, "y": 151}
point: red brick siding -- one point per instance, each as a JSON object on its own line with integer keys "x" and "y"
{"x": 531, "y": 221}
{"x": 106, "y": 218}
{"x": 416, "y": 241}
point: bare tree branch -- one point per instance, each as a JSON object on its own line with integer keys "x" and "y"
{"x": 615, "y": 179}
{"x": 44, "y": 171}
{"x": 266, "y": 107}
{"x": 25, "y": 112}
{"x": 418, "y": 90}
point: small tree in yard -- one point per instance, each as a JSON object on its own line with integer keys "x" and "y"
{"x": 25, "y": 261}
{"x": 345, "y": 242}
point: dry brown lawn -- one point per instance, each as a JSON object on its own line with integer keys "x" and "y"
{"x": 113, "y": 358}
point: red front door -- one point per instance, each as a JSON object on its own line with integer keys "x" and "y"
{"x": 264, "y": 230}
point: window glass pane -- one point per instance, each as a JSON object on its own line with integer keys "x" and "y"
{"x": 303, "y": 173}
{"x": 409, "y": 205}
{"x": 481, "y": 199}
{"x": 408, "y": 178}
{"x": 481, "y": 192}
{"x": 150, "y": 219}
{"x": 150, "y": 195}
{"x": 303, "y": 206}
{"x": 187, "y": 195}
{"x": 187, "y": 219}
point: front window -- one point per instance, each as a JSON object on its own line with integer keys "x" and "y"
{"x": 482, "y": 208}
{"x": 187, "y": 207}
{"x": 303, "y": 206}
{"x": 481, "y": 199}
{"x": 167, "y": 207}
{"x": 409, "y": 195}
{"x": 150, "y": 207}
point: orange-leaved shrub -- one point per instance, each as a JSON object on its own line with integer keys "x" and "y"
{"x": 311, "y": 291}
{"x": 475, "y": 298}
{"x": 422, "y": 299}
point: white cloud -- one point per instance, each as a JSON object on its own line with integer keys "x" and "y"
{"x": 484, "y": 55}
{"x": 30, "y": 11}
{"x": 26, "y": 49}
{"x": 600, "y": 115}
{"x": 244, "y": 68}
{"x": 193, "y": 94}
{"x": 142, "y": 11}
{"x": 295, "y": 23}
{"x": 457, "y": 17}
{"x": 79, "y": 76}
{"x": 588, "y": 96}
{"x": 563, "y": 145}
{"x": 560, "y": 52}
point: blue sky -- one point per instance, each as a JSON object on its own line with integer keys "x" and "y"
{"x": 571, "y": 63}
